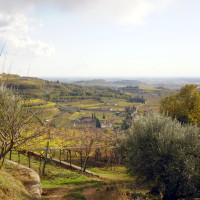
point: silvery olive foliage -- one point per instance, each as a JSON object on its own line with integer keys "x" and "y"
{"x": 166, "y": 153}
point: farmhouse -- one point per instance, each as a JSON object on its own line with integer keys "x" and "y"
{"x": 105, "y": 123}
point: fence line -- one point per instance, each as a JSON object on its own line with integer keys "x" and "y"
{"x": 102, "y": 156}
{"x": 67, "y": 148}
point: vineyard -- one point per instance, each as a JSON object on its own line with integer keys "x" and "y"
{"x": 72, "y": 137}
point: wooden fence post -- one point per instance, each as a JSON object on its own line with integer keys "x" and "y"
{"x": 109, "y": 162}
{"x": 60, "y": 156}
{"x": 67, "y": 155}
{"x": 18, "y": 157}
{"x": 63, "y": 153}
{"x": 50, "y": 154}
{"x": 10, "y": 155}
{"x": 29, "y": 159}
{"x": 40, "y": 164}
{"x": 70, "y": 158}
{"x": 45, "y": 159}
{"x": 87, "y": 156}
{"x": 106, "y": 152}
{"x": 81, "y": 157}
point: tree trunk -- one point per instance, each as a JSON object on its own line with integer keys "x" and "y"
{"x": 87, "y": 156}
{"x": 10, "y": 155}
{"x": 170, "y": 195}
{"x": 29, "y": 159}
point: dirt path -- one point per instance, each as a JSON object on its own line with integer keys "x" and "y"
{"x": 99, "y": 194}
{"x": 56, "y": 193}
{"x": 107, "y": 186}
{"x": 32, "y": 180}
{"x": 88, "y": 191}
{"x": 89, "y": 194}
{"x": 59, "y": 194}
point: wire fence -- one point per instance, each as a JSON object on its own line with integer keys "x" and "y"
{"x": 77, "y": 158}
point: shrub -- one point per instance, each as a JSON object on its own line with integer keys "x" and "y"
{"x": 166, "y": 153}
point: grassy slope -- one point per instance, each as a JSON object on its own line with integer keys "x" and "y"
{"x": 61, "y": 183}
{"x": 57, "y": 181}
{"x": 11, "y": 188}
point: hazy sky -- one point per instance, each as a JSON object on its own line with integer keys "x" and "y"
{"x": 100, "y": 37}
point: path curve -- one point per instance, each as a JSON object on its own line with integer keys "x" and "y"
{"x": 34, "y": 185}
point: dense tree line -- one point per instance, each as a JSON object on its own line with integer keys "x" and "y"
{"x": 184, "y": 105}
{"x": 55, "y": 91}
{"x": 137, "y": 99}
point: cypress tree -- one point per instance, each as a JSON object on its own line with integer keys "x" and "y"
{"x": 98, "y": 123}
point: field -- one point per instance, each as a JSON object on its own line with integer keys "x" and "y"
{"x": 65, "y": 118}
{"x": 69, "y": 114}
{"x": 65, "y": 105}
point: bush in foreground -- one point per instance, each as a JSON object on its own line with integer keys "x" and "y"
{"x": 165, "y": 153}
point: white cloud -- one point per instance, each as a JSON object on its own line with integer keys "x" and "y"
{"x": 25, "y": 46}
{"x": 13, "y": 23}
{"x": 120, "y": 11}
{"x": 14, "y": 30}
{"x": 125, "y": 12}
{"x": 17, "y": 6}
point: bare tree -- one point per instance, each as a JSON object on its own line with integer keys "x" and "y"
{"x": 18, "y": 124}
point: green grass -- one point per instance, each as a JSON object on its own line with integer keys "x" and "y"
{"x": 55, "y": 176}
{"x": 117, "y": 173}
{"x": 88, "y": 105}
{"x": 76, "y": 192}
{"x": 34, "y": 102}
{"x": 113, "y": 170}
{"x": 95, "y": 185}
{"x": 100, "y": 171}
{"x": 62, "y": 120}
{"x": 99, "y": 114}
{"x": 75, "y": 183}
{"x": 48, "y": 112}
{"x": 47, "y": 105}
{"x": 55, "y": 183}
{"x": 75, "y": 115}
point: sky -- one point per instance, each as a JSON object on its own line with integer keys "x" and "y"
{"x": 100, "y": 38}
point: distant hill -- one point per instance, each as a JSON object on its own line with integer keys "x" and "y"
{"x": 128, "y": 83}
{"x": 31, "y": 87}
{"x": 158, "y": 82}
{"x": 110, "y": 83}
{"x": 92, "y": 82}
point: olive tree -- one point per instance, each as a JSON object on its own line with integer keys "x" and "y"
{"x": 17, "y": 123}
{"x": 166, "y": 153}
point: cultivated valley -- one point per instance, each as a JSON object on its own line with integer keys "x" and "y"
{"x": 74, "y": 138}
{"x": 99, "y": 100}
